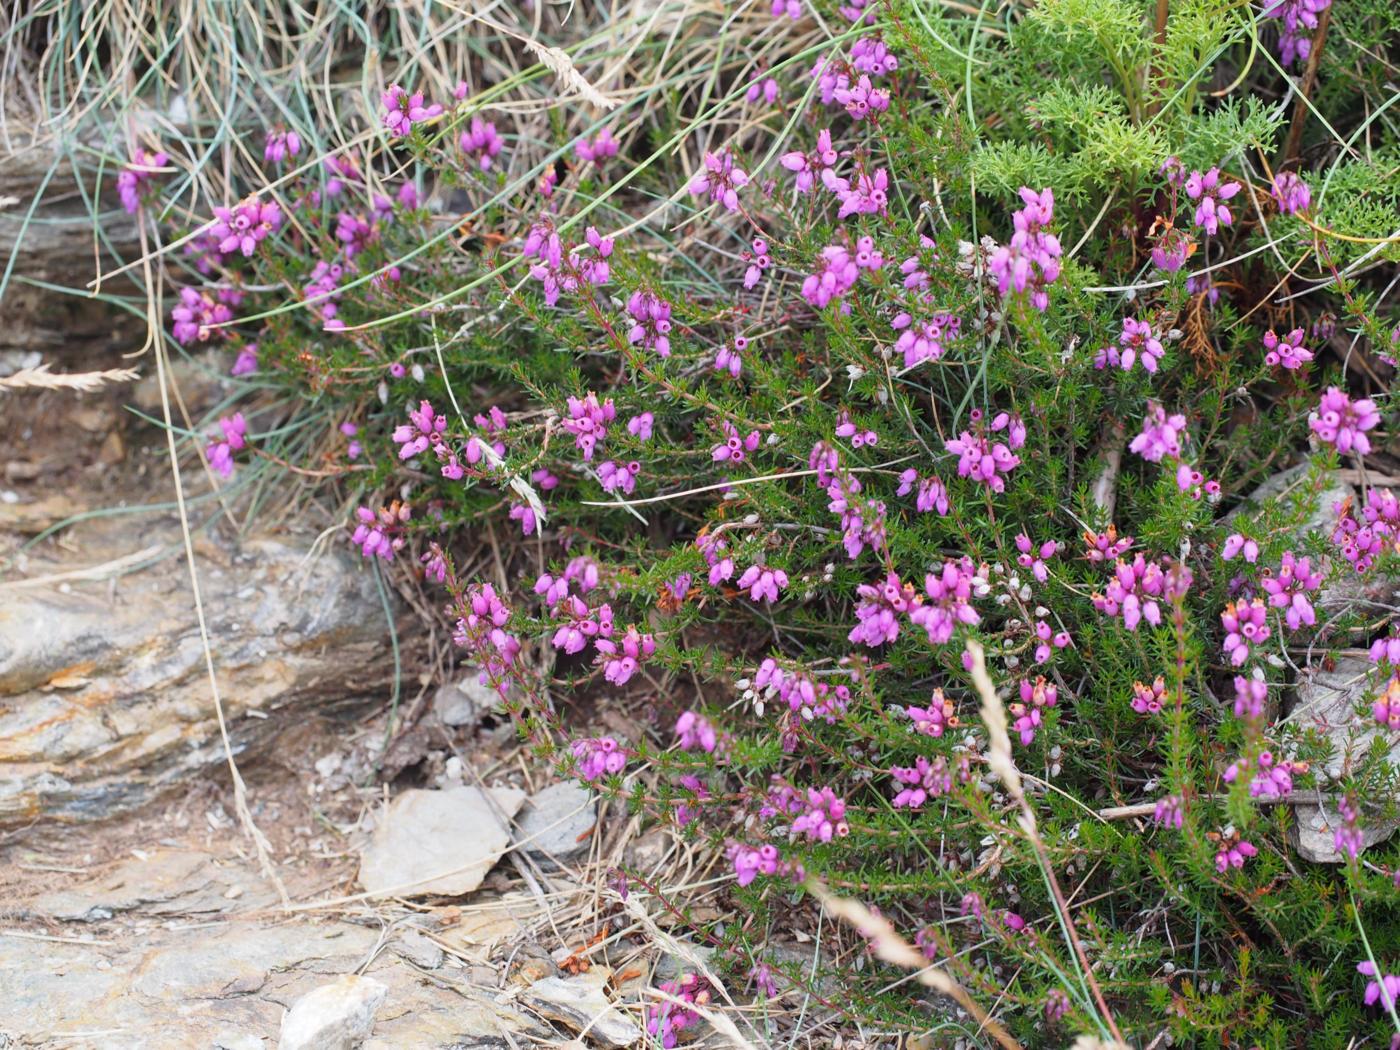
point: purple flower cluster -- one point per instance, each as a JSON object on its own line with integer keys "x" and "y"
{"x": 721, "y": 180}
{"x": 1026, "y": 713}
{"x": 588, "y": 421}
{"x": 134, "y": 180}
{"x": 1210, "y": 195}
{"x": 380, "y": 534}
{"x": 482, "y": 141}
{"x": 243, "y": 228}
{"x": 1136, "y": 342}
{"x": 559, "y": 271}
{"x": 595, "y": 757}
{"x": 1268, "y": 780}
{"x": 839, "y": 272}
{"x": 1162, "y": 435}
{"x": 984, "y": 459}
{"x": 879, "y": 608}
{"x": 1031, "y": 260}
{"x": 1286, "y": 352}
{"x": 949, "y": 603}
{"x": 924, "y": 780}
{"x": 198, "y": 316}
{"x": 1296, "y": 18}
{"x": 1289, "y": 588}
{"x": 651, "y": 322}
{"x": 400, "y": 110}
{"x": 1246, "y": 624}
{"x": 1133, "y": 593}
{"x": 220, "y": 451}
{"x": 1342, "y": 422}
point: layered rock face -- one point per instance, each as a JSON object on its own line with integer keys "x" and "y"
{"x": 104, "y": 693}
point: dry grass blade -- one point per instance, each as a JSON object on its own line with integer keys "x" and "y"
{"x": 994, "y": 716}
{"x": 890, "y": 947}
{"x": 562, "y": 66}
{"x": 40, "y": 378}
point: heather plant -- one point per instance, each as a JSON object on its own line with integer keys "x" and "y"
{"x": 880, "y": 410}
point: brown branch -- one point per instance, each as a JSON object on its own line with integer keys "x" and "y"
{"x": 1300, "y": 109}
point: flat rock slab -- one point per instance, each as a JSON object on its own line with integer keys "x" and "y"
{"x": 557, "y": 821}
{"x": 1326, "y": 700}
{"x": 439, "y": 842}
{"x": 104, "y": 696}
{"x": 581, "y": 1005}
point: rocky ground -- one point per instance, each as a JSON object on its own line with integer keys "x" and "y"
{"x": 422, "y": 883}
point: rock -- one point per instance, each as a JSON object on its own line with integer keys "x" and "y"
{"x": 104, "y": 699}
{"x": 581, "y": 1005}
{"x": 238, "y": 1041}
{"x": 338, "y": 1016}
{"x": 1327, "y": 700}
{"x": 158, "y": 877}
{"x": 556, "y": 822}
{"x": 418, "y": 949}
{"x": 464, "y": 703}
{"x": 56, "y": 245}
{"x": 439, "y": 842}
{"x": 202, "y": 379}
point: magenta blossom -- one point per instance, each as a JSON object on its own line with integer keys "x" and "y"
{"x": 695, "y": 731}
{"x": 1162, "y": 435}
{"x": 1148, "y": 699}
{"x": 1133, "y": 592}
{"x": 401, "y": 110}
{"x": 1289, "y": 590}
{"x": 1246, "y": 625}
{"x": 134, "y": 180}
{"x": 1031, "y": 259}
{"x": 762, "y": 583}
{"x": 380, "y": 535}
{"x": 1290, "y": 193}
{"x": 280, "y": 145}
{"x": 721, "y": 180}
{"x": 1136, "y": 343}
{"x": 950, "y": 592}
{"x": 1210, "y": 193}
{"x": 1232, "y": 851}
{"x": 1381, "y": 988}
{"x": 1250, "y": 695}
{"x": 879, "y": 609}
{"x": 220, "y": 452}
{"x": 595, "y": 757}
{"x": 1342, "y": 422}
{"x": 482, "y": 141}
{"x": 1286, "y": 352}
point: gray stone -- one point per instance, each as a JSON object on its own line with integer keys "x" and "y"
{"x": 337, "y": 1016}
{"x": 418, "y": 949}
{"x": 464, "y": 703}
{"x": 55, "y": 244}
{"x": 104, "y": 698}
{"x": 581, "y": 1005}
{"x": 158, "y": 877}
{"x": 1327, "y": 701}
{"x": 238, "y": 1041}
{"x": 556, "y": 822}
{"x": 438, "y": 842}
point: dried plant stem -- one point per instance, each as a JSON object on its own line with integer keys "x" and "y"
{"x": 890, "y": 947}
{"x": 40, "y": 378}
{"x": 1300, "y": 108}
{"x": 1000, "y": 761}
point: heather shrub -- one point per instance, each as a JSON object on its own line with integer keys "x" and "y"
{"x": 876, "y": 405}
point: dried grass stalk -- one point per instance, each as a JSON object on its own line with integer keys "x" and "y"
{"x": 562, "y": 66}
{"x": 890, "y": 947}
{"x": 40, "y": 378}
